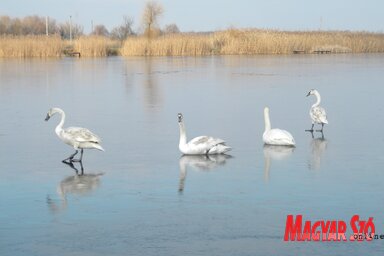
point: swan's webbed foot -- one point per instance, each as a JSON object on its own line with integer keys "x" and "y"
{"x": 70, "y": 164}
{"x": 310, "y": 130}
{"x": 70, "y": 158}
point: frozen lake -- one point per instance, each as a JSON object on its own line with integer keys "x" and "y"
{"x": 141, "y": 197}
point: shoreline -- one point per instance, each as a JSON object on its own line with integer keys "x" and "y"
{"x": 227, "y": 42}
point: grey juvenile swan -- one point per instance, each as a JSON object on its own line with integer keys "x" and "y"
{"x": 316, "y": 112}
{"x": 77, "y": 137}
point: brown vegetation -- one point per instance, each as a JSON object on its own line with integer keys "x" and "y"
{"x": 228, "y": 42}
{"x": 95, "y": 46}
{"x": 31, "y": 46}
{"x": 250, "y": 42}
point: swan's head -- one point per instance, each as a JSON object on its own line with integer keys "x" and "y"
{"x": 311, "y": 92}
{"x": 180, "y": 117}
{"x": 266, "y": 111}
{"x": 51, "y": 112}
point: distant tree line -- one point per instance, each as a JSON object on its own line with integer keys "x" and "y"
{"x": 36, "y": 25}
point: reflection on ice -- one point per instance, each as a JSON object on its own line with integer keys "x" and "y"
{"x": 277, "y": 153}
{"x": 318, "y": 147}
{"x": 199, "y": 163}
{"x": 79, "y": 184}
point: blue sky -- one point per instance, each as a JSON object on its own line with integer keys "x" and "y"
{"x": 208, "y": 15}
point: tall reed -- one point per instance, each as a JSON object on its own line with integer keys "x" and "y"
{"x": 254, "y": 41}
{"x": 95, "y": 46}
{"x": 169, "y": 45}
{"x": 31, "y": 46}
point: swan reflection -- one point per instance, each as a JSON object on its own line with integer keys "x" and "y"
{"x": 277, "y": 153}
{"x": 80, "y": 184}
{"x": 318, "y": 147}
{"x": 199, "y": 163}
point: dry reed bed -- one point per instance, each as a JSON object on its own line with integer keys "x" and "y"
{"x": 31, "y": 46}
{"x": 228, "y": 42}
{"x": 236, "y": 41}
{"x": 54, "y": 46}
{"x": 176, "y": 45}
{"x": 95, "y": 46}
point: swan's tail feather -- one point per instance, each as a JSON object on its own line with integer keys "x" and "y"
{"x": 219, "y": 149}
{"x": 98, "y": 146}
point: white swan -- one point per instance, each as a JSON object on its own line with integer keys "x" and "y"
{"x": 202, "y": 145}
{"x": 316, "y": 112}
{"x": 275, "y": 136}
{"x": 77, "y": 137}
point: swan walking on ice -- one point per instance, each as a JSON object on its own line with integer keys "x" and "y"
{"x": 316, "y": 112}
{"x": 202, "y": 145}
{"x": 276, "y": 136}
{"x": 77, "y": 137}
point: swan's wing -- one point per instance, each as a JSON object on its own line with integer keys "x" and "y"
{"x": 82, "y": 134}
{"x": 278, "y": 137}
{"x": 207, "y": 145}
{"x": 207, "y": 140}
{"x": 319, "y": 115}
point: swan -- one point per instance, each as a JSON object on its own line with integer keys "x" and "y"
{"x": 202, "y": 145}
{"x": 275, "y": 136}
{"x": 77, "y": 137}
{"x": 316, "y": 112}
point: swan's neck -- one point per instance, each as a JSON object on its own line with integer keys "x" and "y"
{"x": 267, "y": 121}
{"x": 59, "y": 127}
{"x": 318, "y": 99}
{"x": 183, "y": 135}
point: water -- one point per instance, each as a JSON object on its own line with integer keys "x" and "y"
{"x": 140, "y": 197}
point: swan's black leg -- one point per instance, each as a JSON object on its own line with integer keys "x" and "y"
{"x": 322, "y": 126}
{"x": 70, "y": 158}
{"x": 81, "y": 166}
{"x": 80, "y": 159}
{"x": 311, "y": 130}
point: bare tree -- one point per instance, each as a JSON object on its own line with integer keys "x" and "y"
{"x": 29, "y": 25}
{"x": 151, "y": 15}
{"x": 16, "y": 27}
{"x": 33, "y": 25}
{"x": 100, "y": 30}
{"x": 77, "y": 30}
{"x": 5, "y": 24}
{"x": 123, "y": 31}
{"x": 171, "y": 29}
